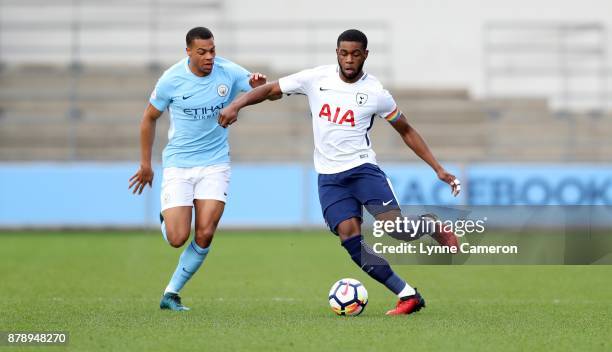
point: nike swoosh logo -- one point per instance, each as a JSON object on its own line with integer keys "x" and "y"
{"x": 387, "y": 203}
{"x": 324, "y": 89}
{"x": 185, "y": 98}
{"x": 188, "y": 272}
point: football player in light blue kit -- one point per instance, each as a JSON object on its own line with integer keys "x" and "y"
{"x": 196, "y": 159}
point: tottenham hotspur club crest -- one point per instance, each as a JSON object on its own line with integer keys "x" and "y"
{"x": 361, "y": 99}
{"x": 222, "y": 90}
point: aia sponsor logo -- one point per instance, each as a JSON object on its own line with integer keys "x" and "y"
{"x": 339, "y": 117}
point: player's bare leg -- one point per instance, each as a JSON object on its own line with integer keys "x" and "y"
{"x": 207, "y": 216}
{"x": 393, "y": 215}
{"x": 176, "y": 228}
{"x": 349, "y": 228}
{"x": 445, "y": 237}
{"x": 177, "y": 223}
{"x": 377, "y": 267}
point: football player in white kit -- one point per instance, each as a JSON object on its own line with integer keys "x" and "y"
{"x": 344, "y": 101}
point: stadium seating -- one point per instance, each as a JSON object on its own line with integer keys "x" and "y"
{"x": 93, "y": 113}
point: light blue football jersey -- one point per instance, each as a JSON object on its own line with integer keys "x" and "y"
{"x": 195, "y": 138}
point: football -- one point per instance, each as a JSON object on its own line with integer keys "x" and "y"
{"x": 348, "y": 297}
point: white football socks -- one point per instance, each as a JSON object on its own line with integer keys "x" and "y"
{"x": 407, "y": 291}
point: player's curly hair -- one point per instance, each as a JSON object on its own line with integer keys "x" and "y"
{"x": 353, "y": 35}
{"x": 198, "y": 33}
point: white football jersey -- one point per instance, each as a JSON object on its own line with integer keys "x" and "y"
{"x": 342, "y": 115}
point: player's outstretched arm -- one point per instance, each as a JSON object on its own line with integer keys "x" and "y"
{"x": 144, "y": 175}
{"x": 229, "y": 115}
{"x": 414, "y": 140}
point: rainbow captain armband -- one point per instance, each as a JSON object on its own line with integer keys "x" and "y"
{"x": 394, "y": 115}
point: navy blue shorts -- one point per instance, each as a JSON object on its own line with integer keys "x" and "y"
{"x": 343, "y": 195}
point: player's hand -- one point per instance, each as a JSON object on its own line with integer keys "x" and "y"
{"x": 228, "y": 116}
{"x": 142, "y": 177}
{"x": 257, "y": 79}
{"x": 451, "y": 180}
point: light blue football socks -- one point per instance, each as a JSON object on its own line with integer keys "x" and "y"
{"x": 190, "y": 261}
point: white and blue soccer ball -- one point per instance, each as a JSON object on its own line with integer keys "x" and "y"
{"x": 348, "y": 297}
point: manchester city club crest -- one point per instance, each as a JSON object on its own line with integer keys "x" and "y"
{"x": 361, "y": 98}
{"x": 222, "y": 90}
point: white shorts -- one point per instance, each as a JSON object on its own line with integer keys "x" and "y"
{"x": 180, "y": 186}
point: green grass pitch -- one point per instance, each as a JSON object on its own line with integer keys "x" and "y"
{"x": 268, "y": 291}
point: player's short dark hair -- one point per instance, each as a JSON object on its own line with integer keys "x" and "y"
{"x": 198, "y": 33}
{"x": 353, "y": 35}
